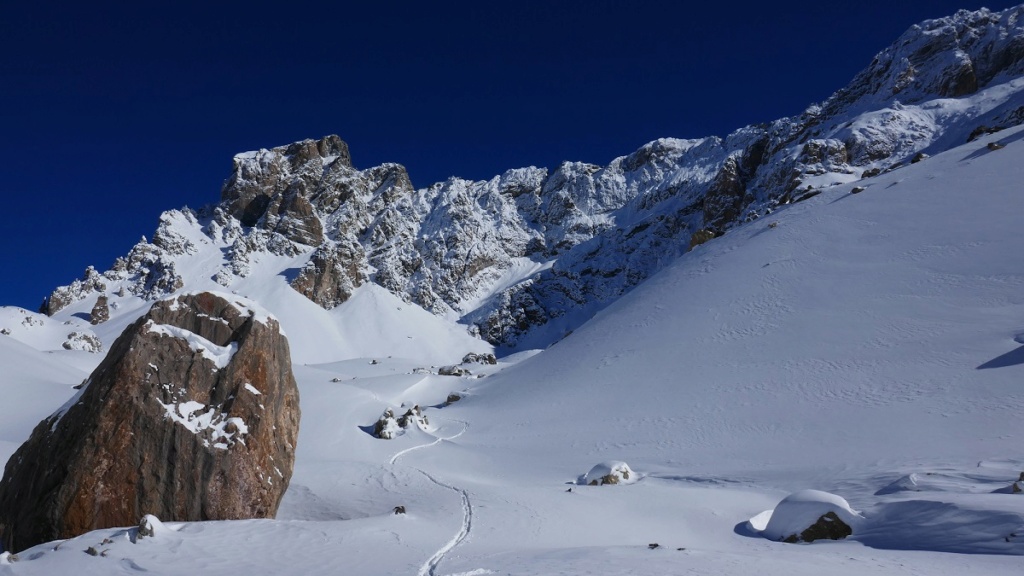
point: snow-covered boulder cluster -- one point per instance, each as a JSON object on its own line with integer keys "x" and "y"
{"x": 389, "y": 426}
{"x": 83, "y": 341}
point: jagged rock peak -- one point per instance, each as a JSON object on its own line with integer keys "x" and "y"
{"x": 947, "y": 57}
{"x": 193, "y": 415}
{"x": 329, "y": 149}
{"x": 275, "y": 185}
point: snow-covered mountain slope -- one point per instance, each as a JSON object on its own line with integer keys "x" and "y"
{"x": 867, "y": 344}
{"x": 33, "y": 385}
{"x": 182, "y": 246}
{"x": 888, "y": 318}
{"x": 528, "y": 256}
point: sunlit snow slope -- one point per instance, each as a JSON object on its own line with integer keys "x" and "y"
{"x": 870, "y": 345}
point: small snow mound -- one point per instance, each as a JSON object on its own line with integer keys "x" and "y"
{"x": 759, "y": 522}
{"x": 611, "y": 472}
{"x": 800, "y": 511}
{"x": 908, "y": 483}
{"x": 7, "y": 558}
{"x": 151, "y": 526}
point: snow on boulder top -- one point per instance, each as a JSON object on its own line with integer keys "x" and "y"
{"x": 610, "y": 472}
{"x": 800, "y": 510}
{"x": 151, "y": 526}
{"x": 246, "y": 306}
{"x": 219, "y": 355}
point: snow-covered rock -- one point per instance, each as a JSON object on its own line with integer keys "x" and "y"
{"x": 609, "y": 473}
{"x": 811, "y": 515}
{"x": 149, "y": 526}
{"x": 83, "y": 341}
{"x": 389, "y": 426}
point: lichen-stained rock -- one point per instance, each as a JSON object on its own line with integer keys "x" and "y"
{"x": 193, "y": 415}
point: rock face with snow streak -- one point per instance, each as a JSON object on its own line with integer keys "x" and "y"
{"x": 193, "y": 415}
{"x": 529, "y": 255}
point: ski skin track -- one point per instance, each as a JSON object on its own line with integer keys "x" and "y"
{"x": 429, "y": 568}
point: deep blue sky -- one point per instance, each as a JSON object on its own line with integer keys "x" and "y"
{"x": 111, "y": 112}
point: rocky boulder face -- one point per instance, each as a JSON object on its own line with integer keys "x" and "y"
{"x": 331, "y": 275}
{"x": 100, "y": 311}
{"x": 193, "y": 415}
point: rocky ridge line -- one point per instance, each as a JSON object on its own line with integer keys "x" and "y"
{"x": 573, "y": 239}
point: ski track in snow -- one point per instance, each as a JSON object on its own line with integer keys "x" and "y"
{"x": 429, "y": 567}
{"x": 437, "y": 440}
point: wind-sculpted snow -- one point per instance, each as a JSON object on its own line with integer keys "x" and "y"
{"x": 589, "y": 233}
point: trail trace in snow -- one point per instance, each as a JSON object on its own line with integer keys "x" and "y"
{"x": 429, "y": 567}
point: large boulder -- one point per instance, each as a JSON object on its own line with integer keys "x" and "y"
{"x": 193, "y": 415}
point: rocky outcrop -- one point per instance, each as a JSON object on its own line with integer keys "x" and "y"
{"x": 100, "y": 311}
{"x": 193, "y": 415}
{"x": 83, "y": 341}
{"x": 91, "y": 281}
{"x": 260, "y": 179}
{"x": 388, "y": 426}
{"x": 331, "y": 275}
{"x": 479, "y": 358}
{"x": 724, "y": 198}
{"x": 453, "y": 370}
